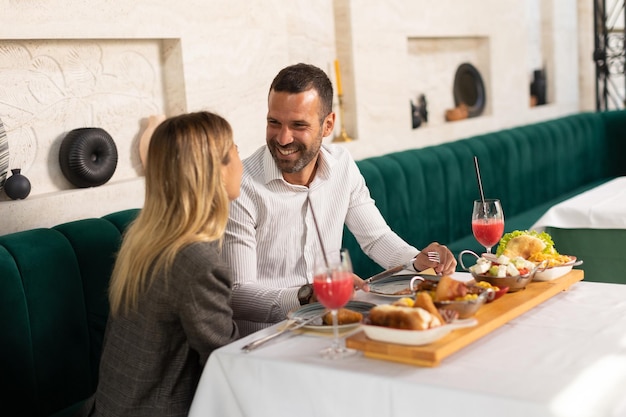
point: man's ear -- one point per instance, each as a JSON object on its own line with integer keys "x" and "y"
{"x": 329, "y": 124}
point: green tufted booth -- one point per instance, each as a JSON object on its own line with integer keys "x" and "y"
{"x": 53, "y": 313}
{"x": 426, "y": 194}
{"x": 54, "y": 281}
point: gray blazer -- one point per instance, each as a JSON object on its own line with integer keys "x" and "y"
{"x": 152, "y": 358}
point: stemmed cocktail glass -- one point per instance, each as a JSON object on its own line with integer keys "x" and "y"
{"x": 334, "y": 286}
{"x": 488, "y": 222}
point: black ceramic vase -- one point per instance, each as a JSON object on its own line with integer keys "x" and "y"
{"x": 17, "y": 186}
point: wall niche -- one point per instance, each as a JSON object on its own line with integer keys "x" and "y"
{"x": 433, "y": 64}
{"x": 52, "y": 86}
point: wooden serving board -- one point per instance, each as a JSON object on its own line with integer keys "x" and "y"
{"x": 490, "y": 317}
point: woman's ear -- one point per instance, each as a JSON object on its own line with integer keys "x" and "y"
{"x": 224, "y": 171}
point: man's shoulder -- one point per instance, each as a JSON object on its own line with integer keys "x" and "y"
{"x": 253, "y": 165}
{"x": 337, "y": 158}
{"x": 253, "y": 174}
{"x": 255, "y": 158}
{"x": 336, "y": 152}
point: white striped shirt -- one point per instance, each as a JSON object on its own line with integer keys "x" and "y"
{"x": 271, "y": 242}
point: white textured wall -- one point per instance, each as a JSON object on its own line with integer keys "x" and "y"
{"x": 383, "y": 82}
{"x": 112, "y": 63}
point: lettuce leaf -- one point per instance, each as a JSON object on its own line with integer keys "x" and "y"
{"x": 547, "y": 239}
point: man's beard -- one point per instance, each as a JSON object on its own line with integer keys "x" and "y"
{"x": 306, "y": 155}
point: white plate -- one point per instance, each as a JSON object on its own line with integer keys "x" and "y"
{"x": 315, "y": 309}
{"x": 554, "y": 272}
{"x": 391, "y": 286}
{"x": 414, "y": 337}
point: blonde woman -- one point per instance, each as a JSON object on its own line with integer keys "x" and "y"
{"x": 170, "y": 291}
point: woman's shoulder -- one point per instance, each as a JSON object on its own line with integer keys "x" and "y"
{"x": 198, "y": 258}
{"x": 198, "y": 262}
{"x": 199, "y": 253}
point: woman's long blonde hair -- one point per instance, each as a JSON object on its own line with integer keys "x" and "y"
{"x": 185, "y": 202}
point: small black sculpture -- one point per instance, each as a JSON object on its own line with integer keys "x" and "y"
{"x": 419, "y": 113}
{"x": 538, "y": 86}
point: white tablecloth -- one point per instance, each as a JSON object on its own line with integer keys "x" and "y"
{"x": 565, "y": 357}
{"x": 603, "y": 207}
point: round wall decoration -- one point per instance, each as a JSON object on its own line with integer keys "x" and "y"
{"x": 469, "y": 89}
{"x": 88, "y": 157}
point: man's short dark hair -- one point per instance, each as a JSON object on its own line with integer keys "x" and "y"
{"x": 303, "y": 77}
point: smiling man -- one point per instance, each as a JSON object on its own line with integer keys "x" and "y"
{"x": 271, "y": 240}
{"x": 296, "y": 125}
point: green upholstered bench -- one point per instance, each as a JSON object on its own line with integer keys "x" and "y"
{"x": 53, "y": 313}
{"x": 600, "y": 249}
{"x": 54, "y": 281}
{"x": 426, "y": 194}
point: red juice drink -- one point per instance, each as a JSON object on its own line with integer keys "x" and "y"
{"x": 488, "y": 231}
{"x": 333, "y": 292}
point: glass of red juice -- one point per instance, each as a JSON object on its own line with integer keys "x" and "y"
{"x": 488, "y": 222}
{"x": 333, "y": 286}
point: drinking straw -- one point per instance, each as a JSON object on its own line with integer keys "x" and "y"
{"x": 480, "y": 182}
{"x": 317, "y": 229}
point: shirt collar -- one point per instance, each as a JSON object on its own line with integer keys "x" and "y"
{"x": 325, "y": 161}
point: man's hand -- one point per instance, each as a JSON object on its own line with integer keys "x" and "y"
{"x": 446, "y": 264}
{"x": 359, "y": 284}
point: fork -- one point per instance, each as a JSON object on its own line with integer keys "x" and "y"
{"x": 433, "y": 256}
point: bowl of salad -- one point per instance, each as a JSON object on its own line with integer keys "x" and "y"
{"x": 537, "y": 247}
{"x": 501, "y": 271}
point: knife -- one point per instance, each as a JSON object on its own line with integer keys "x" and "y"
{"x": 390, "y": 272}
{"x": 288, "y": 328}
{"x": 428, "y": 273}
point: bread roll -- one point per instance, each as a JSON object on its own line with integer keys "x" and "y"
{"x": 344, "y": 316}
{"x": 524, "y": 246}
{"x": 425, "y": 301}
{"x": 399, "y": 317}
{"x": 449, "y": 288}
